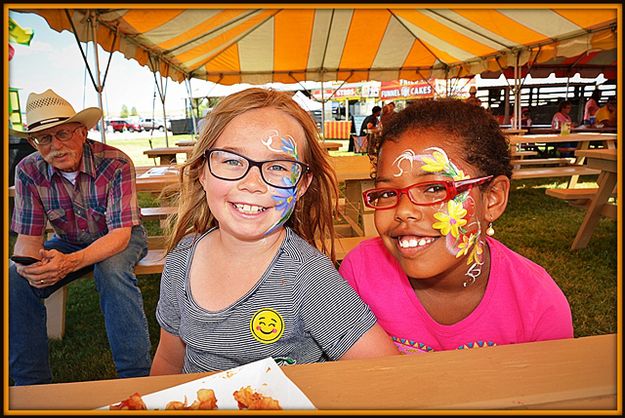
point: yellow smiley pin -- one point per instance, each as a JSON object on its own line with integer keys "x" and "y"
{"x": 267, "y": 326}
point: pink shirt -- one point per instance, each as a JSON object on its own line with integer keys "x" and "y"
{"x": 521, "y": 303}
{"x": 559, "y": 117}
{"x": 590, "y": 109}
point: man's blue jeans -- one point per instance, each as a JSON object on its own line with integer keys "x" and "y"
{"x": 121, "y": 303}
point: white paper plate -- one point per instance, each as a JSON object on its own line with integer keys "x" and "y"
{"x": 263, "y": 376}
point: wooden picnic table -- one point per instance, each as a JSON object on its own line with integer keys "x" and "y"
{"x": 604, "y": 160}
{"x": 167, "y": 155}
{"x": 330, "y": 146}
{"x": 570, "y": 374}
{"x": 577, "y": 129}
{"x": 583, "y": 141}
{"x": 186, "y": 143}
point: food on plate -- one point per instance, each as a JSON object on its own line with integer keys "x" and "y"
{"x": 247, "y": 398}
{"x": 205, "y": 400}
{"x": 132, "y": 402}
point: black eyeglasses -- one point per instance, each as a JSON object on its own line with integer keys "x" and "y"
{"x": 61, "y": 135}
{"x": 228, "y": 165}
{"x": 422, "y": 194}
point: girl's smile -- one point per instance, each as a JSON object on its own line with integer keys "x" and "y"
{"x": 427, "y": 240}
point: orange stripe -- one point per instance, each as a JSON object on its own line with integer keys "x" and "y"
{"x": 225, "y": 38}
{"x": 226, "y": 61}
{"x": 144, "y": 20}
{"x": 444, "y": 33}
{"x": 502, "y": 25}
{"x": 202, "y": 28}
{"x": 365, "y": 34}
{"x": 588, "y": 18}
{"x": 293, "y": 31}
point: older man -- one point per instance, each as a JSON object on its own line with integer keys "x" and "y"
{"x": 86, "y": 190}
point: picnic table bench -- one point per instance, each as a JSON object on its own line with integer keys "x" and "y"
{"x": 152, "y": 263}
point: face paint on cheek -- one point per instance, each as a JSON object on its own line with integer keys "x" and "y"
{"x": 285, "y": 203}
{"x": 285, "y": 198}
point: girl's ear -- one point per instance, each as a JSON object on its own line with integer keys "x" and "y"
{"x": 304, "y": 184}
{"x": 496, "y": 198}
{"x": 202, "y": 176}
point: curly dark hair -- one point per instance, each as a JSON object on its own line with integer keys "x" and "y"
{"x": 471, "y": 127}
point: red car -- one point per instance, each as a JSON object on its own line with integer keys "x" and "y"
{"x": 121, "y": 125}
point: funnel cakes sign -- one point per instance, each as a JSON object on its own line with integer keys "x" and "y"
{"x": 405, "y": 90}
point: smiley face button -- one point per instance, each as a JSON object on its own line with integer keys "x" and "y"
{"x": 267, "y": 326}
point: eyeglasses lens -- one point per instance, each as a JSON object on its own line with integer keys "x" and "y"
{"x": 276, "y": 173}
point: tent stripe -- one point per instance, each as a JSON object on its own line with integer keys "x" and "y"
{"x": 394, "y": 49}
{"x": 292, "y": 33}
{"x": 445, "y": 51}
{"x": 223, "y": 38}
{"x": 494, "y": 40}
{"x": 502, "y": 26}
{"x": 152, "y": 22}
{"x": 545, "y": 22}
{"x": 196, "y": 26}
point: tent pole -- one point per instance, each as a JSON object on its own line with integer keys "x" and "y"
{"x": 323, "y": 110}
{"x": 97, "y": 73}
{"x": 189, "y": 92}
{"x": 517, "y": 94}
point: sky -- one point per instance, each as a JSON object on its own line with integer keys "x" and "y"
{"x": 54, "y": 61}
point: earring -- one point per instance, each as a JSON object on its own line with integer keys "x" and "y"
{"x": 490, "y": 231}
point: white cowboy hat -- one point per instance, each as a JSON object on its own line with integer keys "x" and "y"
{"x": 48, "y": 109}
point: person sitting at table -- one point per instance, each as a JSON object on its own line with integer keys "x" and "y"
{"x": 243, "y": 278}
{"x": 388, "y": 111}
{"x": 435, "y": 278}
{"x": 86, "y": 190}
{"x": 591, "y": 107}
{"x": 562, "y": 116}
{"x": 606, "y": 115}
{"x": 371, "y": 122}
{"x": 526, "y": 119}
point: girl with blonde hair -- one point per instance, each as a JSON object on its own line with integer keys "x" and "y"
{"x": 243, "y": 278}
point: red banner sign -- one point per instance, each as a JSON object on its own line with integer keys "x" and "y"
{"x": 405, "y": 90}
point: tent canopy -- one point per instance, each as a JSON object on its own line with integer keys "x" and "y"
{"x": 317, "y": 43}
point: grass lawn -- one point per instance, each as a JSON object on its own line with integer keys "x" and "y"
{"x": 535, "y": 225}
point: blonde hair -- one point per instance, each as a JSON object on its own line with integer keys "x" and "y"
{"x": 313, "y": 216}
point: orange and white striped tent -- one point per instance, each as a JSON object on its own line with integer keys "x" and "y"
{"x": 290, "y": 43}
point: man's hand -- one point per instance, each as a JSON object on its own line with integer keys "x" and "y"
{"x": 53, "y": 266}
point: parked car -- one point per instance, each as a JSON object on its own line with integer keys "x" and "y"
{"x": 147, "y": 124}
{"x": 121, "y": 125}
{"x": 118, "y": 125}
{"x": 133, "y": 125}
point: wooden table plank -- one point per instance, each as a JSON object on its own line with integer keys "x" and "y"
{"x": 577, "y": 373}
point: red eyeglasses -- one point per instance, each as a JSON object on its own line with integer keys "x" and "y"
{"x": 422, "y": 194}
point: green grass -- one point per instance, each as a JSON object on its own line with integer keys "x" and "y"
{"x": 535, "y": 225}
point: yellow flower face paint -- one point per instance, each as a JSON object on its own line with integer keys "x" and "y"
{"x": 462, "y": 237}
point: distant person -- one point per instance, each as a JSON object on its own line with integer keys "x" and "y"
{"x": 371, "y": 121}
{"x": 388, "y": 111}
{"x": 562, "y": 115}
{"x": 436, "y": 278}
{"x": 473, "y": 99}
{"x": 244, "y": 278}
{"x": 86, "y": 190}
{"x": 591, "y": 108}
{"x": 526, "y": 119}
{"x": 606, "y": 115}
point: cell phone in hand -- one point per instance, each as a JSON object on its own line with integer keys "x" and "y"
{"x": 24, "y": 260}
